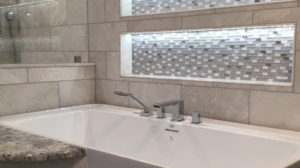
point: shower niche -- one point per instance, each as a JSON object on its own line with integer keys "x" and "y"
{"x": 145, "y": 7}
{"x": 252, "y": 55}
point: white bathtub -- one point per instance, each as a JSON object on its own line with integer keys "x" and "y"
{"x": 121, "y": 132}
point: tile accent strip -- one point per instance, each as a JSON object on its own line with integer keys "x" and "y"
{"x": 141, "y": 7}
{"x": 239, "y": 55}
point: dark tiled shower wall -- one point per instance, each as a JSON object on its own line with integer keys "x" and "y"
{"x": 163, "y": 6}
{"x": 257, "y": 54}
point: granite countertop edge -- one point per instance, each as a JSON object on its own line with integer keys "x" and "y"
{"x": 18, "y": 146}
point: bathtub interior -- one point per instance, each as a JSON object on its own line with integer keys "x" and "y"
{"x": 121, "y": 132}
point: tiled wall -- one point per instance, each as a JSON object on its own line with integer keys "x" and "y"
{"x": 49, "y": 31}
{"x": 140, "y": 7}
{"x": 272, "y": 106}
{"x": 245, "y": 55}
{"x": 29, "y": 88}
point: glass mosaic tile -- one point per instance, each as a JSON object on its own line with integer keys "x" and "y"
{"x": 256, "y": 54}
{"x": 142, "y": 7}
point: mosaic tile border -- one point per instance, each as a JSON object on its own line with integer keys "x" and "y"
{"x": 146, "y": 7}
{"x": 270, "y": 60}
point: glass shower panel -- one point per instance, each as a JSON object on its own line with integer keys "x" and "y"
{"x": 25, "y": 27}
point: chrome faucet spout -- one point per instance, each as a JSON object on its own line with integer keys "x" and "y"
{"x": 146, "y": 112}
{"x": 177, "y": 112}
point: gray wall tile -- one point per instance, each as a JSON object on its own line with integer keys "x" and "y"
{"x": 112, "y": 10}
{"x": 113, "y": 66}
{"x": 150, "y": 93}
{"x": 55, "y": 74}
{"x": 278, "y": 110}
{"x": 74, "y": 93}
{"x": 100, "y": 59}
{"x": 69, "y": 38}
{"x": 96, "y": 11}
{"x": 10, "y": 76}
{"x": 77, "y": 11}
{"x": 105, "y": 95}
{"x": 286, "y": 15}
{"x": 157, "y": 24}
{"x": 217, "y": 103}
{"x": 89, "y": 72}
{"x": 106, "y": 36}
{"x": 217, "y": 20}
{"x": 29, "y": 57}
{"x": 23, "y": 98}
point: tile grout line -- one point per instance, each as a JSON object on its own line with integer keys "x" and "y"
{"x": 27, "y": 69}
{"x": 249, "y": 106}
{"x": 128, "y": 87}
{"x": 59, "y": 98}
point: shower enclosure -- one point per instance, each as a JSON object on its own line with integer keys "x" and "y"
{"x": 10, "y": 29}
{"x": 25, "y": 27}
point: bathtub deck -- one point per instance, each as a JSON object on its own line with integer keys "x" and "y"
{"x": 17, "y": 146}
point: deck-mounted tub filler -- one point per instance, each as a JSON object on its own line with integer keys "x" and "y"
{"x": 117, "y": 137}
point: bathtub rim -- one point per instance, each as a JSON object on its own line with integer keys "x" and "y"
{"x": 224, "y": 126}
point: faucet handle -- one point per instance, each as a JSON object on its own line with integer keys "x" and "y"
{"x": 196, "y": 117}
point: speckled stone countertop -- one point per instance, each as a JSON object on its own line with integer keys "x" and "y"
{"x": 20, "y": 146}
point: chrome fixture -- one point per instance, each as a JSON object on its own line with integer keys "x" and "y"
{"x": 77, "y": 59}
{"x": 177, "y": 111}
{"x": 146, "y": 112}
{"x": 10, "y": 16}
{"x": 196, "y": 117}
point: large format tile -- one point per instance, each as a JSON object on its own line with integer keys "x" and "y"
{"x": 55, "y": 74}
{"x": 113, "y": 66}
{"x": 89, "y": 72}
{"x": 112, "y": 10}
{"x": 79, "y": 92}
{"x": 29, "y": 57}
{"x": 7, "y": 57}
{"x": 99, "y": 58}
{"x": 52, "y": 14}
{"x": 278, "y": 110}
{"x": 217, "y": 20}
{"x": 149, "y": 93}
{"x": 96, "y": 11}
{"x": 106, "y": 36}
{"x": 277, "y": 16}
{"x": 217, "y": 103}
{"x": 22, "y": 98}
{"x": 10, "y": 76}
{"x": 77, "y": 11}
{"x": 57, "y": 12}
{"x": 35, "y": 39}
{"x": 105, "y": 92}
{"x": 69, "y": 38}
{"x": 154, "y": 25}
